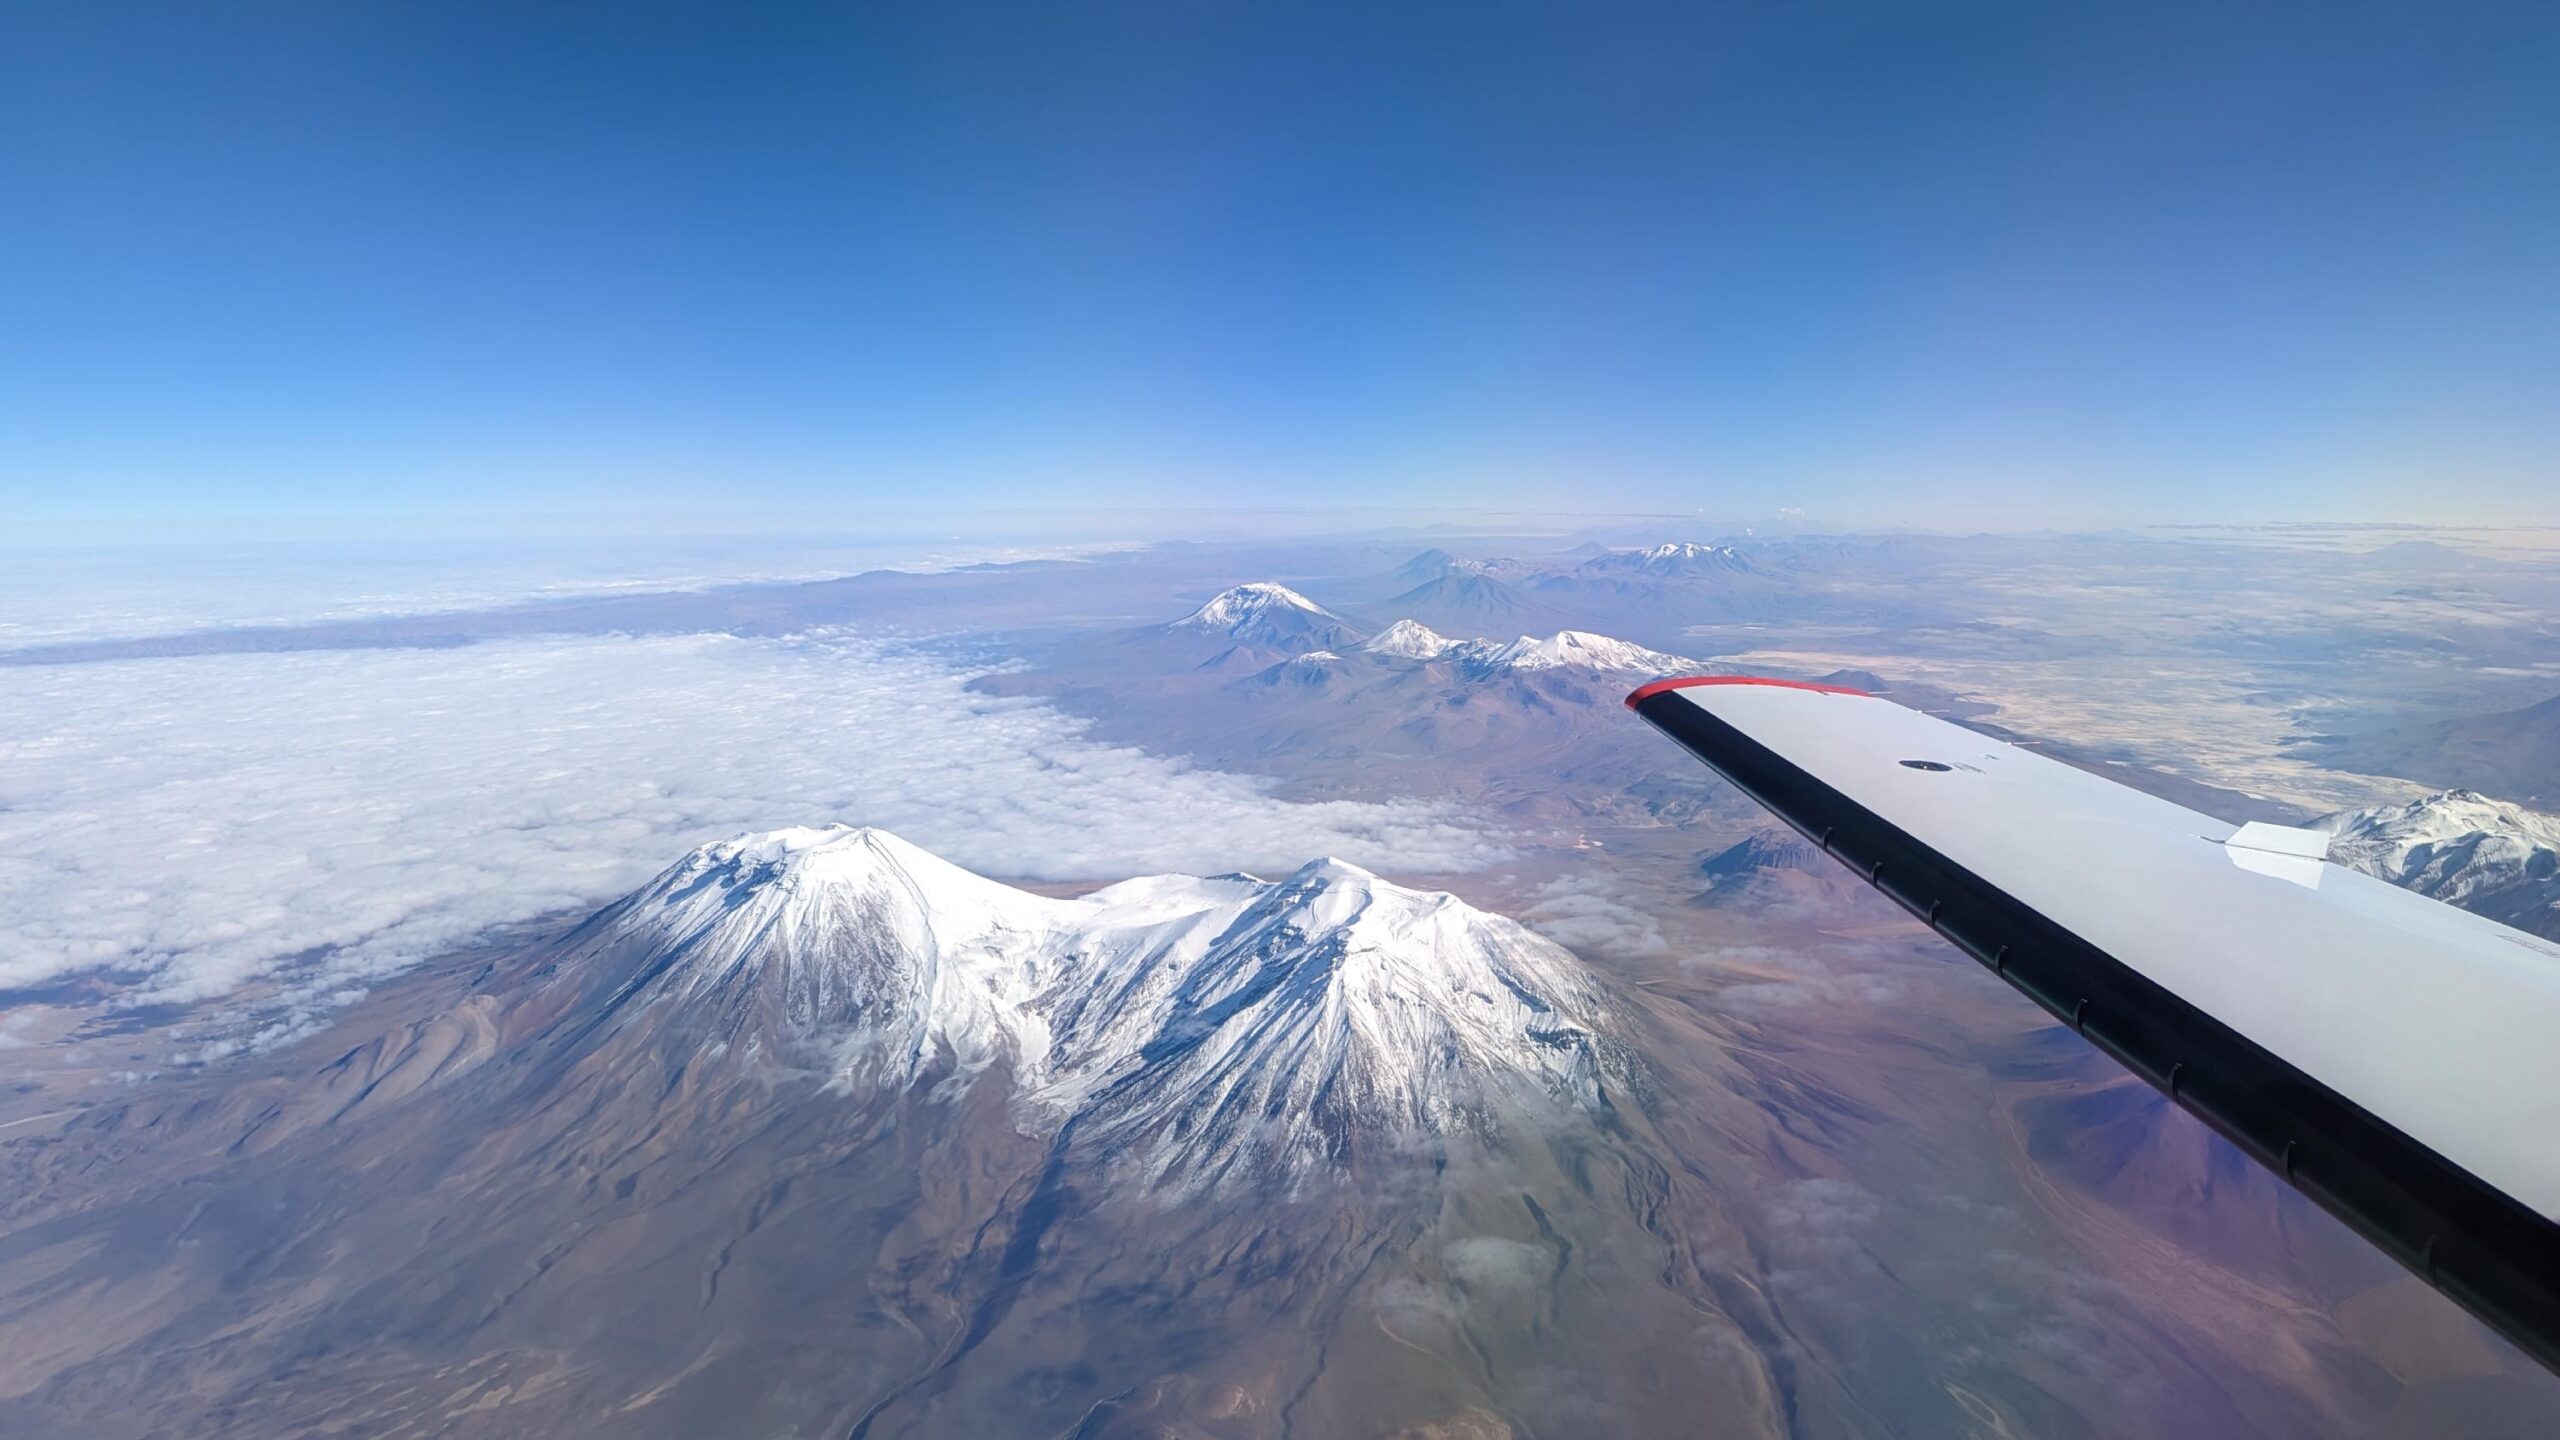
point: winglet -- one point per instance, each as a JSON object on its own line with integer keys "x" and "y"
{"x": 2282, "y": 851}
{"x": 2281, "y": 840}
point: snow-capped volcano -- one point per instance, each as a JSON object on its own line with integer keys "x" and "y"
{"x": 1241, "y": 603}
{"x": 1566, "y": 649}
{"x": 1204, "y": 1028}
{"x": 1288, "y": 1025}
{"x": 1269, "y": 616}
{"x": 1409, "y": 640}
{"x": 1572, "y": 649}
{"x": 842, "y": 949}
{"x": 2489, "y": 856}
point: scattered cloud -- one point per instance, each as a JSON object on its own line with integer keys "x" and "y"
{"x": 1821, "y": 1228}
{"x": 197, "y": 823}
{"x": 1492, "y": 1264}
{"x": 1824, "y": 1213}
{"x": 1823, "y": 972}
{"x": 1591, "y": 913}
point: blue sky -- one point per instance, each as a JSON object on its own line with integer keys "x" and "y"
{"x": 1957, "y": 264}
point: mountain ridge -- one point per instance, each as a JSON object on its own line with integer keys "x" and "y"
{"x": 1215, "y": 1029}
{"x": 1565, "y": 649}
{"x": 2510, "y": 752}
{"x": 2492, "y": 857}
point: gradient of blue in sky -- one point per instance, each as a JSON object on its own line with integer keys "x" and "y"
{"x": 1961, "y": 264}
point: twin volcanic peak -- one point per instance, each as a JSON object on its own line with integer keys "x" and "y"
{"x": 1203, "y": 1030}
{"x": 1566, "y": 649}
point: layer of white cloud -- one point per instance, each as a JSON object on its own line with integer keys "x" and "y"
{"x": 59, "y": 595}
{"x": 202, "y": 822}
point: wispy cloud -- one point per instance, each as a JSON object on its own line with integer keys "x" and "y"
{"x": 201, "y": 822}
{"x": 1591, "y": 913}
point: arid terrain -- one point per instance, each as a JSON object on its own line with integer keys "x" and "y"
{"x": 414, "y": 1104}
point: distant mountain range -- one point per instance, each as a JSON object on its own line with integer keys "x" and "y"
{"x": 1657, "y": 592}
{"x": 2514, "y": 752}
{"x": 1412, "y": 683}
{"x": 1655, "y": 597}
{"x": 1566, "y": 649}
{"x": 1265, "y": 620}
{"x": 1675, "y": 561}
{"x": 1262, "y": 678}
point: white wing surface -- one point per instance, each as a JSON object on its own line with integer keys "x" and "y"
{"x": 2396, "y": 1059}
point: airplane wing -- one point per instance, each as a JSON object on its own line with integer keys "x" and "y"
{"x": 2392, "y": 1057}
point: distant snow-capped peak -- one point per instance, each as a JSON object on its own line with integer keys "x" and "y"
{"x": 1409, "y": 640}
{"x": 1566, "y": 649}
{"x": 1574, "y": 649}
{"x": 1206, "y": 1029}
{"x": 1244, "y": 603}
{"x": 1679, "y": 558}
{"x": 1435, "y": 564}
{"x": 1269, "y": 616}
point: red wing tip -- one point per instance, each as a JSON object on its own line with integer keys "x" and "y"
{"x": 1643, "y": 693}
